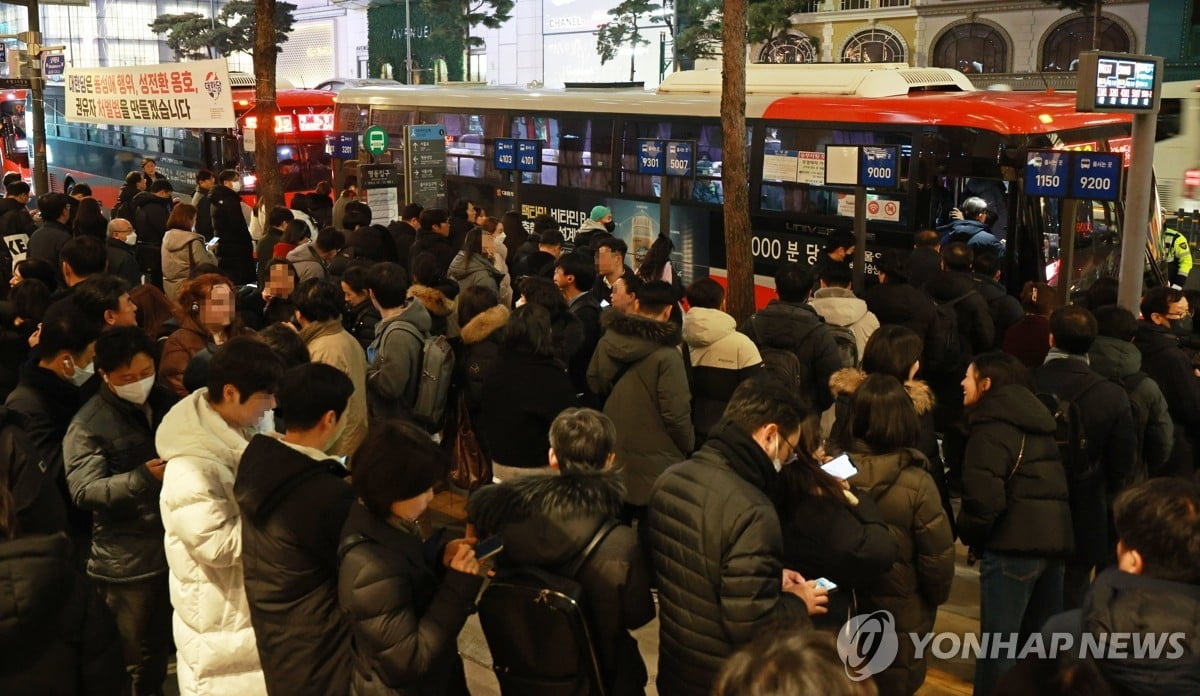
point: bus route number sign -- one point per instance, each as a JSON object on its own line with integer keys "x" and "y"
{"x": 680, "y": 157}
{"x": 1096, "y": 176}
{"x": 880, "y": 166}
{"x": 506, "y": 154}
{"x": 529, "y": 155}
{"x": 1047, "y": 173}
{"x": 651, "y": 154}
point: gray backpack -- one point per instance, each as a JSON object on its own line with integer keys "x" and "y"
{"x": 432, "y": 388}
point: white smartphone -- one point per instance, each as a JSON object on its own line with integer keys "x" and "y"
{"x": 826, "y": 584}
{"x": 212, "y": 242}
{"x": 840, "y": 467}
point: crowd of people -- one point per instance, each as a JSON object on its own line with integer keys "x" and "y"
{"x": 224, "y": 426}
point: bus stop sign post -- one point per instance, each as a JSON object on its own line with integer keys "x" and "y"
{"x": 861, "y": 166}
{"x": 1127, "y": 83}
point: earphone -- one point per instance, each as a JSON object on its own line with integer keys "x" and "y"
{"x": 195, "y": 307}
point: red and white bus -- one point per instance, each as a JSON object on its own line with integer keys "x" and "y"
{"x": 954, "y": 141}
{"x": 101, "y": 155}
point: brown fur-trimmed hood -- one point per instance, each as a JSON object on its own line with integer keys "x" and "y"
{"x": 846, "y": 381}
{"x": 434, "y": 300}
{"x": 664, "y": 333}
{"x": 484, "y": 324}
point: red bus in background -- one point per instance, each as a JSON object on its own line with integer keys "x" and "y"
{"x": 102, "y": 155}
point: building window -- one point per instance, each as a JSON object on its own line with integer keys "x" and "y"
{"x": 894, "y": 3}
{"x": 972, "y": 48}
{"x": 1064, "y": 43}
{"x": 789, "y": 48}
{"x": 874, "y": 46}
{"x": 855, "y": 4}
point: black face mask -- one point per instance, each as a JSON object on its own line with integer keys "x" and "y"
{"x": 1182, "y": 327}
{"x": 610, "y": 226}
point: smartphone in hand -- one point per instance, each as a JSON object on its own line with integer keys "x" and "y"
{"x": 840, "y": 467}
{"x": 489, "y": 547}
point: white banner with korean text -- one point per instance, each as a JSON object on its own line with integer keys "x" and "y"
{"x": 195, "y": 94}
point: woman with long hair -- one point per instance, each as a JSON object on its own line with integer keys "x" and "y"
{"x": 1029, "y": 339}
{"x": 90, "y": 220}
{"x": 207, "y": 317}
{"x": 512, "y": 228}
{"x": 472, "y": 266}
{"x": 880, "y": 436}
{"x": 656, "y": 265}
{"x": 183, "y": 248}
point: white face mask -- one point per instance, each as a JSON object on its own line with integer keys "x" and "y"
{"x": 81, "y": 374}
{"x": 266, "y": 424}
{"x": 236, "y": 186}
{"x": 131, "y": 240}
{"x": 776, "y": 461}
{"x": 135, "y": 393}
{"x": 520, "y": 301}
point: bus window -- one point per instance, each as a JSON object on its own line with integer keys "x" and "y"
{"x": 466, "y": 135}
{"x": 352, "y": 118}
{"x": 706, "y": 186}
{"x": 575, "y": 150}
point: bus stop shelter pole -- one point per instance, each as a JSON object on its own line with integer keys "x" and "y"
{"x": 860, "y": 241}
{"x": 1137, "y": 211}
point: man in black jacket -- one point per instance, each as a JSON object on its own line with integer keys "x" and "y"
{"x": 16, "y": 224}
{"x": 293, "y": 503}
{"x": 404, "y": 232}
{"x": 716, "y": 542}
{"x": 114, "y": 473}
{"x": 434, "y": 238}
{"x": 1165, "y": 316}
{"x": 790, "y": 323}
{"x": 895, "y": 301}
{"x": 1004, "y": 308}
{"x": 47, "y": 241}
{"x": 547, "y": 520}
{"x": 235, "y": 251}
{"x": 1111, "y": 443}
{"x": 574, "y": 277}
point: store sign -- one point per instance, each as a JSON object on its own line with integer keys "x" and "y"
{"x": 196, "y": 94}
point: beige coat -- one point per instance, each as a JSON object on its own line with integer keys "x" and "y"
{"x": 182, "y": 250}
{"x": 331, "y": 344}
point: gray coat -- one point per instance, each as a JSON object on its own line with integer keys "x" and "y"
{"x": 474, "y": 270}
{"x": 105, "y": 451}
{"x": 639, "y": 366}
{"x": 395, "y": 357}
{"x": 307, "y": 263}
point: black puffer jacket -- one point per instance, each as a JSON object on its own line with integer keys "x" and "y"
{"x": 1005, "y": 309}
{"x": 405, "y": 616}
{"x": 717, "y": 549}
{"x": 150, "y": 217}
{"x": 293, "y": 507}
{"x": 1111, "y": 447}
{"x": 519, "y": 401}
{"x": 360, "y": 321}
{"x": 56, "y": 636}
{"x": 1171, "y": 368}
{"x": 478, "y": 353}
{"x": 1014, "y": 487}
{"x": 546, "y": 521}
{"x": 976, "y": 330}
{"x": 105, "y": 452}
{"x": 1120, "y": 360}
{"x": 430, "y": 242}
{"x": 797, "y": 327}
{"x": 910, "y": 307}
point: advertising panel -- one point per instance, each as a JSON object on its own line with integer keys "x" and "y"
{"x": 196, "y": 94}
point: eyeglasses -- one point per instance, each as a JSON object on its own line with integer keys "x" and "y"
{"x": 1182, "y": 315}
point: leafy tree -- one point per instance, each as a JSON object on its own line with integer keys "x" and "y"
{"x": 700, "y": 24}
{"x": 188, "y": 35}
{"x": 625, "y": 29}
{"x": 488, "y": 13}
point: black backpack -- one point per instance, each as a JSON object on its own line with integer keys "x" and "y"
{"x": 781, "y": 362}
{"x": 1069, "y": 431}
{"x": 953, "y": 352}
{"x": 1141, "y": 418}
{"x": 537, "y": 629}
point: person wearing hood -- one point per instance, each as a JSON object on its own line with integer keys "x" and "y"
{"x": 114, "y": 472}
{"x": 716, "y": 545}
{"x": 47, "y": 397}
{"x": 477, "y": 349}
{"x": 722, "y": 358}
{"x": 1115, "y": 357}
{"x": 524, "y": 394}
{"x": 183, "y": 249}
{"x": 1108, "y": 440}
{"x": 600, "y": 220}
{"x": 639, "y": 369}
{"x": 436, "y": 292}
{"x": 1015, "y": 513}
{"x": 969, "y": 225}
{"x": 319, "y": 312}
{"x": 471, "y": 266}
{"x": 395, "y": 356}
{"x": 1154, "y": 590}
{"x": 545, "y": 521}
{"x": 838, "y": 306}
{"x": 790, "y": 323}
{"x": 880, "y": 433}
{"x": 202, "y": 440}
{"x": 293, "y": 502}
{"x": 434, "y": 238}
{"x": 1165, "y": 317}
{"x": 151, "y": 209}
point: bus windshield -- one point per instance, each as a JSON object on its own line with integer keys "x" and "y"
{"x": 12, "y": 130}
{"x": 301, "y": 165}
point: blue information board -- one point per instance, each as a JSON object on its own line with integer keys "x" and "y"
{"x": 650, "y": 156}
{"x": 505, "y": 154}
{"x": 54, "y": 64}
{"x": 1047, "y": 173}
{"x": 1096, "y": 176}
{"x": 879, "y": 166}
{"x": 341, "y": 145}
{"x": 680, "y": 157}
{"x": 529, "y": 155}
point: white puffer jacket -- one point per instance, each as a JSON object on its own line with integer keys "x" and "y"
{"x": 217, "y": 653}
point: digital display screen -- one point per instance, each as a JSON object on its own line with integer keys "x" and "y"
{"x": 1125, "y": 83}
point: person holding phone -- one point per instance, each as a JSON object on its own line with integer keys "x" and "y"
{"x": 831, "y": 531}
{"x": 881, "y": 432}
{"x": 405, "y": 613}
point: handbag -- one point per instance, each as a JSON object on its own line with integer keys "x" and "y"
{"x": 470, "y": 466}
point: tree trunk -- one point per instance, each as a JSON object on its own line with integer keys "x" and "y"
{"x": 738, "y": 261}
{"x": 269, "y": 186}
